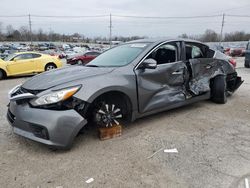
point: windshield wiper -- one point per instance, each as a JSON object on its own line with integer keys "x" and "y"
{"x": 91, "y": 66}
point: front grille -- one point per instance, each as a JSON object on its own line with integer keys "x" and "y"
{"x": 11, "y": 117}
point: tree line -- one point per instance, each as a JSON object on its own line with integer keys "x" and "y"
{"x": 211, "y": 36}
{"x": 23, "y": 34}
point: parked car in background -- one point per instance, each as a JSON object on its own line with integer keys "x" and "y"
{"x": 125, "y": 83}
{"x": 85, "y": 58}
{"x": 216, "y": 47}
{"x": 247, "y": 56}
{"x": 42, "y": 47}
{"x": 6, "y": 53}
{"x": 24, "y": 63}
{"x": 237, "y": 51}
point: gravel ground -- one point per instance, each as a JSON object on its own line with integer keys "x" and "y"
{"x": 212, "y": 140}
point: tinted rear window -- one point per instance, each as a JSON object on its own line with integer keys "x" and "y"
{"x": 36, "y": 55}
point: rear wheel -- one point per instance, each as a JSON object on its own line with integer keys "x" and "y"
{"x": 50, "y": 66}
{"x": 219, "y": 89}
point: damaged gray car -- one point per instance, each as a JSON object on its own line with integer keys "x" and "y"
{"x": 127, "y": 82}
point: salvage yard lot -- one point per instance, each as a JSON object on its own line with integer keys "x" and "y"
{"x": 213, "y": 143}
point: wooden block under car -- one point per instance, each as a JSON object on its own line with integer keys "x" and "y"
{"x": 110, "y": 132}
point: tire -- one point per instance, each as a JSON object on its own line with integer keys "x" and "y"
{"x": 50, "y": 66}
{"x": 108, "y": 113}
{"x": 1, "y": 75}
{"x": 247, "y": 65}
{"x": 79, "y": 62}
{"x": 218, "y": 90}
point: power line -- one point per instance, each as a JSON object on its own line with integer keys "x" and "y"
{"x": 105, "y": 15}
{"x": 13, "y": 16}
{"x": 235, "y": 8}
{"x": 240, "y": 16}
{"x": 50, "y": 16}
{"x": 123, "y": 16}
{"x": 170, "y": 17}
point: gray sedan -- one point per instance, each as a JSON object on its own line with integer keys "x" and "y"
{"x": 127, "y": 82}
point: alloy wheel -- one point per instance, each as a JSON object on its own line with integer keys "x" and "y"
{"x": 108, "y": 115}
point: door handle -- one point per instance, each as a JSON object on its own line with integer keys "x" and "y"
{"x": 177, "y": 72}
{"x": 209, "y": 66}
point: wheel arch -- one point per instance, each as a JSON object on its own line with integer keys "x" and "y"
{"x": 49, "y": 63}
{"x": 116, "y": 94}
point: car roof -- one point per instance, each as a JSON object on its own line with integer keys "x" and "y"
{"x": 87, "y": 51}
{"x": 18, "y": 53}
{"x": 160, "y": 40}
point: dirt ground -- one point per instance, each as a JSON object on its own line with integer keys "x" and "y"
{"x": 213, "y": 143}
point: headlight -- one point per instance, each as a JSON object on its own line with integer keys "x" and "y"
{"x": 55, "y": 96}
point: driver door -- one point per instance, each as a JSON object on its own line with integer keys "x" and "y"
{"x": 163, "y": 86}
{"x": 21, "y": 64}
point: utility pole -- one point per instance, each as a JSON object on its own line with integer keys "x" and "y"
{"x": 222, "y": 26}
{"x": 30, "y": 29}
{"x": 110, "y": 30}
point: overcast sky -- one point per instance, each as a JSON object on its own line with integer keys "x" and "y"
{"x": 123, "y": 26}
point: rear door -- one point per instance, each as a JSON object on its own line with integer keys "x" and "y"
{"x": 21, "y": 64}
{"x": 163, "y": 86}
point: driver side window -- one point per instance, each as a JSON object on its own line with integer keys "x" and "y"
{"x": 167, "y": 53}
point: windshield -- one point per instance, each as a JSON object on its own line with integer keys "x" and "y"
{"x": 118, "y": 56}
{"x": 9, "y": 57}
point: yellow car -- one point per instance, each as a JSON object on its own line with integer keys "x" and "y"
{"x": 24, "y": 63}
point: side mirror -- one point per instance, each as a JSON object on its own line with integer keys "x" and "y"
{"x": 149, "y": 64}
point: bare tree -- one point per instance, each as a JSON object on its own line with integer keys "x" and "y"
{"x": 24, "y": 30}
{"x": 9, "y": 32}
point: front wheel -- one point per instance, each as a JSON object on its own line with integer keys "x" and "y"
{"x": 109, "y": 113}
{"x": 219, "y": 89}
{"x": 1, "y": 75}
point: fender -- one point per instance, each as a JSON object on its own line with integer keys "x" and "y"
{"x": 93, "y": 88}
{"x": 3, "y": 66}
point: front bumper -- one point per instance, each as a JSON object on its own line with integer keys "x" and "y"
{"x": 51, "y": 127}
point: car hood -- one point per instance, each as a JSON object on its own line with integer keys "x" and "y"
{"x": 61, "y": 76}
